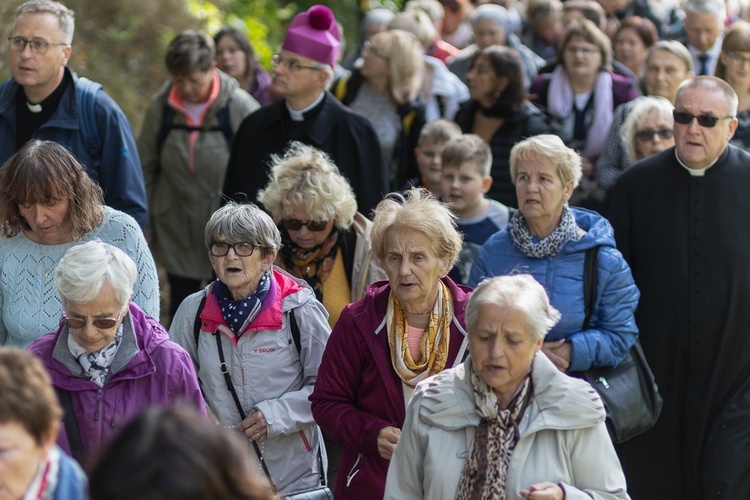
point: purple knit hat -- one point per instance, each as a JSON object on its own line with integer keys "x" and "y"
{"x": 314, "y": 34}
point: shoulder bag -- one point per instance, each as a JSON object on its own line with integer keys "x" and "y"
{"x": 629, "y": 392}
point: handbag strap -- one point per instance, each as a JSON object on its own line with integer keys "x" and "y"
{"x": 590, "y": 278}
{"x": 71, "y": 425}
{"x": 243, "y": 415}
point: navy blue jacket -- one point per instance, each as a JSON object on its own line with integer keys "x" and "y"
{"x": 119, "y": 171}
{"x": 613, "y": 330}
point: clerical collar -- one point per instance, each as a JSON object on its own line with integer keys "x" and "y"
{"x": 696, "y": 172}
{"x": 299, "y": 115}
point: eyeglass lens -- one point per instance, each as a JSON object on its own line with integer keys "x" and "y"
{"x": 241, "y": 249}
{"x": 703, "y": 120}
{"x": 100, "y": 323}
{"x": 648, "y": 134}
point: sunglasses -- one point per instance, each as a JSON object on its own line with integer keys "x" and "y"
{"x": 100, "y": 323}
{"x": 648, "y": 134}
{"x": 703, "y": 120}
{"x": 312, "y": 225}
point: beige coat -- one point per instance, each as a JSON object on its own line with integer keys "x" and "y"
{"x": 365, "y": 271}
{"x": 563, "y": 439}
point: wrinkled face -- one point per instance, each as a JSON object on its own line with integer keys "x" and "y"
{"x": 540, "y": 191}
{"x": 194, "y": 86}
{"x": 464, "y": 187}
{"x": 230, "y": 58}
{"x": 483, "y": 82}
{"x": 47, "y": 221}
{"x": 429, "y": 160}
{"x": 698, "y": 146}
{"x": 303, "y": 237}
{"x": 293, "y": 77}
{"x": 241, "y": 275}
{"x": 582, "y": 58}
{"x": 649, "y": 140}
{"x": 737, "y": 68}
{"x": 413, "y": 269}
{"x": 502, "y": 347}
{"x": 630, "y": 49}
{"x": 20, "y": 458}
{"x": 104, "y": 305}
{"x": 664, "y": 73}
{"x": 39, "y": 73}
{"x": 487, "y": 32}
{"x": 702, "y": 30}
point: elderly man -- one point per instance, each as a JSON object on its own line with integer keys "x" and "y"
{"x": 704, "y": 27}
{"x": 307, "y": 113}
{"x": 45, "y": 100}
{"x": 681, "y": 220}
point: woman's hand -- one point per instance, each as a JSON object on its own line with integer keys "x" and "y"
{"x": 543, "y": 491}
{"x": 254, "y": 426}
{"x": 387, "y": 441}
{"x": 559, "y": 352}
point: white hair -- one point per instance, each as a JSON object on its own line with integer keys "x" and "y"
{"x": 86, "y": 268}
{"x": 520, "y": 291}
{"x": 717, "y": 7}
{"x": 65, "y": 16}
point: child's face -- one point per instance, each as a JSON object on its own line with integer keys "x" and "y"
{"x": 465, "y": 187}
{"x": 429, "y": 160}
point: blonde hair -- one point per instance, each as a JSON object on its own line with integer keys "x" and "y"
{"x": 405, "y": 63}
{"x": 419, "y": 210}
{"x": 418, "y": 23}
{"x": 548, "y": 148}
{"x": 307, "y": 177}
{"x": 643, "y": 107}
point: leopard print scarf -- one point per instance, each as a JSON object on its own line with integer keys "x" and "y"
{"x": 532, "y": 246}
{"x": 486, "y": 469}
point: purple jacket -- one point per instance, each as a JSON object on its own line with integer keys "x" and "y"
{"x": 358, "y": 393}
{"x": 148, "y": 369}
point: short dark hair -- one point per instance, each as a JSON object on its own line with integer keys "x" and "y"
{"x": 26, "y": 394}
{"x": 190, "y": 51}
{"x": 174, "y": 454}
{"x": 643, "y": 27}
{"x": 504, "y": 62}
{"x": 45, "y": 171}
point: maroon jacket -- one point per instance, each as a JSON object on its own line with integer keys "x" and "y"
{"x": 358, "y": 393}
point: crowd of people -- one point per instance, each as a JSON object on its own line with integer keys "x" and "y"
{"x": 376, "y": 257}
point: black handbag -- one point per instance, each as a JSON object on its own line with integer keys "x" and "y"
{"x": 629, "y": 392}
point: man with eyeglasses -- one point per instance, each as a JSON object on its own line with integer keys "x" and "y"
{"x": 681, "y": 220}
{"x": 41, "y": 101}
{"x": 302, "y": 73}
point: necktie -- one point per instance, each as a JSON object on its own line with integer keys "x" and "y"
{"x": 703, "y": 58}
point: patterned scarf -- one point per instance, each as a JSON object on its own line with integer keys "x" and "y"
{"x": 532, "y": 246}
{"x": 486, "y": 469}
{"x": 240, "y": 313}
{"x": 434, "y": 345}
{"x": 312, "y": 265}
{"x": 96, "y": 364}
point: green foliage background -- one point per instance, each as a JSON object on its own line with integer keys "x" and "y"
{"x": 121, "y": 43}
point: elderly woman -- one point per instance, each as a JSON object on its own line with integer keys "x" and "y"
{"x": 108, "y": 359}
{"x": 184, "y": 147}
{"x": 48, "y": 204}
{"x": 325, "y": 241}
{"x": 506, "y": 423}
{"x": 649, "y": 128}
{"x": 733, "y": 66}
{"x": 385, "y": 90}
{"x": 581, "y": 95}
{"x": 403, "y": 331}
{"x": 205, "y": 461}
{"x": 235, "y": 56}
{"x": 668, "y": 63}
{"x": 633, "y": 38}
{"x": 256, "y": 336}
{"x": 499, "y": 113}
{"x": 31, "y": 465}
{"x": 548, "y": 239}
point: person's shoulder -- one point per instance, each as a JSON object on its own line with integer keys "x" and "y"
{"x": 43, "y": 346}
{"x": 118, "y": 225}
{"x": 650, "y": 167}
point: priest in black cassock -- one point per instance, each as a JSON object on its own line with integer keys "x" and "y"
{"x": 682, "y": 221}
{"x": 303, "y": 69}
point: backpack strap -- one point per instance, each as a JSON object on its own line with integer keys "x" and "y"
{"x": 86, "y": 92}
{"x": 590, "y": 278}
{"x": 197, "y": 322}
{"x": 167, "y": 125}
{"x": 71, "y": 425}
{"x": 295, "y": 331}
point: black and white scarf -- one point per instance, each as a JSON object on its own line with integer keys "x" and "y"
{"x": 532, "y": 246}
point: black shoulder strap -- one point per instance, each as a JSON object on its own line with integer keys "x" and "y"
{"x": 590, "y": 278}
{"x": 295, "y": 331}
{"x": 167, "y": 125}
{"x": 71, "y": 426}
{"x": 197, "y": 322}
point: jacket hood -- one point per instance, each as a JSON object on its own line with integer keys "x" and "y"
{"x": 560, "y": 402}
{"x": 599, "y": 232}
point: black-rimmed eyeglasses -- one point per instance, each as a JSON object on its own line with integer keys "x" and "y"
{"x": 705, "y": 121}
{"x": 19, "y": 43}
{"x": 241, "y": 249}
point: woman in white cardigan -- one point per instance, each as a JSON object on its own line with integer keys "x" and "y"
{"x": 506, "y": 424}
